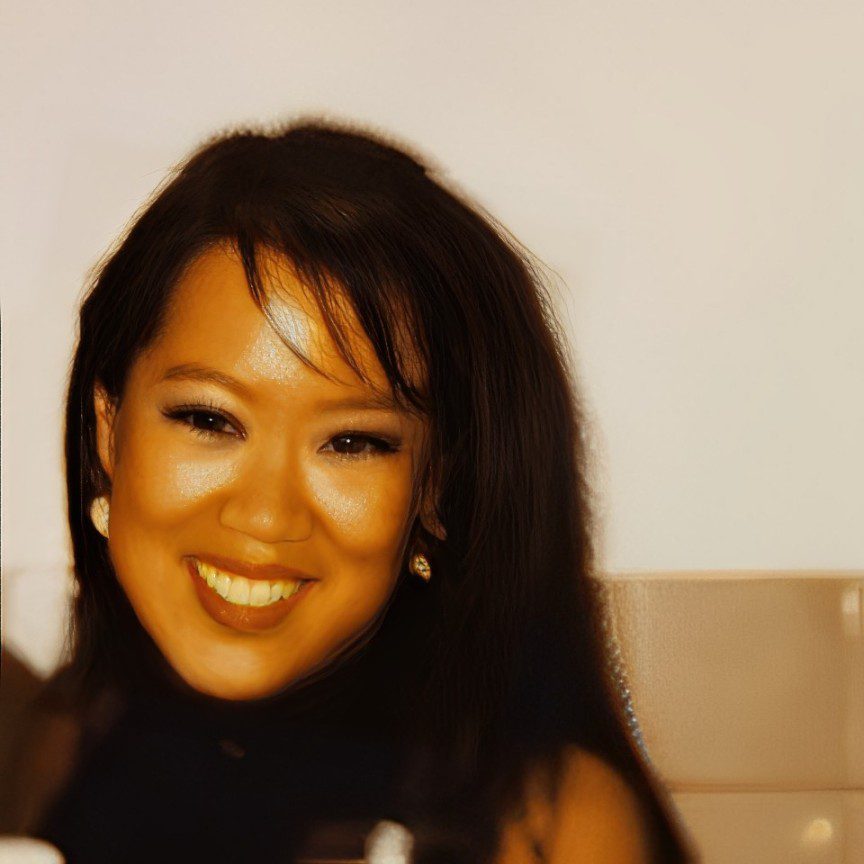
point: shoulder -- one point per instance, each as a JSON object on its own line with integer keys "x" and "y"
{"x": 595, "y": 816}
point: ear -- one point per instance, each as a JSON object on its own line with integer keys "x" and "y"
{"x": 106, "y": 413}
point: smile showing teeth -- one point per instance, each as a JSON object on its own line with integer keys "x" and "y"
{"x": 246, "y": 592}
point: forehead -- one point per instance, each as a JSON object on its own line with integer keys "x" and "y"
{"x": 213, "y": 319}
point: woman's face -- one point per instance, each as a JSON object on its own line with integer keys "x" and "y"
{"x": 227, "y": 453}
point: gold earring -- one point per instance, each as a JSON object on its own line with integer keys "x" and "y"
{"x": 419, "y": 565}
{"x": 99, "y": 508}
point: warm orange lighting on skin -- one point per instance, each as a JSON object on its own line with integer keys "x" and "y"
{"x": 270, "y": 486}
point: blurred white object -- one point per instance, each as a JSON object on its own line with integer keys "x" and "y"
{"x": 387, "y": 843}
{"x": 27, "y": 850}
{"x": 34, "y": 613}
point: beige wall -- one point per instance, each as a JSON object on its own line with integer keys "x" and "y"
{"x": 691, "y": 171}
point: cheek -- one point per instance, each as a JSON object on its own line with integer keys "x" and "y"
{"x": 161, "y": 482}
{"x": 364, "y": 510}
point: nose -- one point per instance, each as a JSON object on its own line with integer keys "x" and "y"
{"x": 268, "y": 501}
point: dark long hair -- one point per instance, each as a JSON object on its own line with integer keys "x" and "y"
{"x": 515, "y": 667}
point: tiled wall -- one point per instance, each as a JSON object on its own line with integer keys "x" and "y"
{"x": 749, "y": 691}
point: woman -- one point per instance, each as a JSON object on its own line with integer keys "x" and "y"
{"x": 331, "y": 534}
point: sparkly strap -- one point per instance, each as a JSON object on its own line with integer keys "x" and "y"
{"x": 617, "y": 670}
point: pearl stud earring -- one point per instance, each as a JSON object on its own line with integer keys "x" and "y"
{"x": 99, "y": 508}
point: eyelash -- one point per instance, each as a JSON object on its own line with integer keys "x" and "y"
{"x": 181, "y": 412}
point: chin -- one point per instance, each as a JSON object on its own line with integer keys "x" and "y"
{"x": 236, "y": 690}
{"x": 234, "y": 685}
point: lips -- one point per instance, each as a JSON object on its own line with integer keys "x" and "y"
{"x": 247, "y": 619}
{"x": 271, "y": 572}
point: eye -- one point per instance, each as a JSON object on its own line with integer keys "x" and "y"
{"x": 361, "y": 445}
{"x": 203, "y": 420}
{"x": 210, "y": 422}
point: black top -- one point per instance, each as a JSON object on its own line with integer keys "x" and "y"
{"x": 179, "y": 775}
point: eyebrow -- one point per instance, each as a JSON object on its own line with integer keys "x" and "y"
{"x": 195, "y": 372}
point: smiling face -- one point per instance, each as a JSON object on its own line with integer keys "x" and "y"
{"x": 227, "y": 450}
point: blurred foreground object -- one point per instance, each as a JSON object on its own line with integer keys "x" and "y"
{"x": 389, "y": 843}
{"x": 26, "y": 850}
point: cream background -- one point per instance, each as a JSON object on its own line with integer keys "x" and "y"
{"x": 692, "y": 173}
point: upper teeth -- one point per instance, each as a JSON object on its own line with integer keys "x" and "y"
{"x": 246, "y": 592}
